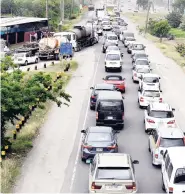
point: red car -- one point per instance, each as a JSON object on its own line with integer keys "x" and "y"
{"x": 117, "y": 81}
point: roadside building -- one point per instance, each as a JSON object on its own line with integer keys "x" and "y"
{"x": 22, "y": 29}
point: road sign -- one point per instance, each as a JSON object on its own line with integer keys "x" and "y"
{"x": 66, "y": 49}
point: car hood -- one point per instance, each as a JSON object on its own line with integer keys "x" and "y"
{"x": 99, "y": 144}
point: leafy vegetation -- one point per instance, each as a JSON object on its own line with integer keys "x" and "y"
{"x": 178, "y": 33}
{"x": 179, "y": 6}
{"x": 174, "y": 19}
{"x": 181, "y": 49}
{"x": 182, "y": 25}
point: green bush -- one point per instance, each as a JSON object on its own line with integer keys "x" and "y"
{"x": 182, "y": 25}
{"x": 181, "y": 49}
{"x": 174, "y": 19}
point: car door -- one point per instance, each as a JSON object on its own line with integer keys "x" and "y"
{"x": 164, "y": 172}
{"x": 146, "y": 113}
{"x": 140, "y": 94}
{"x": 153, "y": 141}
{"x": 27, "y": 57}
{"x": 92, "y": 168}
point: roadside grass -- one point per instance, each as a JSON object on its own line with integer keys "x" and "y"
{"x": 167, "y": 47}
{"x": 11, "y": 166}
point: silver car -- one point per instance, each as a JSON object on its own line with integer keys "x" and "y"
{"x": 112, "y": 173}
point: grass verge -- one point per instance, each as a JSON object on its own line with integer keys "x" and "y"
{"x": 178, "y": 33}
{"x": 11, "y": 166}
{"x": 167, "y": 47}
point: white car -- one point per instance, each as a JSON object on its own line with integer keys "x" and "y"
{"x": 112, "y": 38}
{"x": 138, "y": 71}
{"x": 159, "y": 114}
{"x": 137, "y": 48}
{"x": 141, "y": 61}
{"x": 163, "y": 138}
{"x": 150, "y": 79}
{"x": 112, "y": 173}
{"x": 113, "y": 60}
{"x": 173, "y": 170}
{"x": 129, "y": 40}
{"x": 25, "y": 58}
{"x": 106, "y": 25}
{"x": 147, "y": 96}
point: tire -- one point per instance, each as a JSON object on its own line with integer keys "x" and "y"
{"x": 36, "y": 60}
{"x": 83, "y": 159}
{"x": 106, "y": 69}
{"x": 149, "y": 147}
{"x": 120, "y": 69}
{"x": 26, "y": 63}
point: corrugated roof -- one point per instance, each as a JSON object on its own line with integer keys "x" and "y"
{"x": 19, "y": 20}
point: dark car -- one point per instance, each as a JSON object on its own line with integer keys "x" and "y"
{"x": 98, "y": 140}
{"x": 139, "y": 56}
{"x": 110, "y": 109}
{"x": 105, "y": 45}
{"x": 127, "y": 34}
{"x": 96, "y": 89}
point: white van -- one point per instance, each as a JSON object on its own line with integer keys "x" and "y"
{"x": 112, "y": 38}
{"x": 173, "y": 170}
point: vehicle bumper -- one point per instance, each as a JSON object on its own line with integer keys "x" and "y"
{"x": 136, "y": 79}
{"x": 156, "y": 161}
{"x": 109, "y": 123}
{"x": 19, "y": 62}
{"x": 121, "y": 88}
{"x": 111, "y": 192}
{"x": 111, "y": 66}
{"x": 143, "y": 104}
{"x": 92, "y": 104}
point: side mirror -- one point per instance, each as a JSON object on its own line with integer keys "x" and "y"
{"x": 161, "y": 152}
{"x": 83, "y": 131}
{"x": 147, "y": 55}
{"x": 135, "y": 162}
{"x": 159, "y": 77}
{"x": 103, "y": 78}
{"x": 123, "y": 97}
{"x": 173, "y": 109}
{"x": 149, "y": 61}
{"x": 144, "y": 46}
{"x": 91, "y": 88}
{"x": 122, "y": 54}
{"x": 161, "y": 91}
{"x": 151, "y": 69}
{"x": 139, "y": 90}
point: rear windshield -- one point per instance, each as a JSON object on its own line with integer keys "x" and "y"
{"x": 112, "y": 37}
{"x": 180, "y": 176}
{"x": 115, "y": 48}
{"x": 129, "y": 34}
{"x": 106, "y": 23}
{"x": 130, "y": 39}
{"x": 103, "y": 137}
{"x": 151, "y": 94}
{"x": 161, "y": 114}
{"x": 167, "y": 142}
{"x": 114, "y": 78}
{"x": 142, "y": 62}
{"x": 143, "y": 70}
{"x": 141, "y": 56}
{"x": 151, "y": 79}
{"x": 138, "y": 47}
{"x": 111, "y": 106}
{"x": 114, "y": 173}
{"x": 113, "y": 57}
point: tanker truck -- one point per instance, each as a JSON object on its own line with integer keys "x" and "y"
{"x": 79, "y": 36}
{"x": 49, "y": 48}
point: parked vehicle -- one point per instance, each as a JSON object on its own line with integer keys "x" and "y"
{"x": 91, "y": 7}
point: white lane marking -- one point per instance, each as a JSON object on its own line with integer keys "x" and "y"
{"x": 85, "y": 119}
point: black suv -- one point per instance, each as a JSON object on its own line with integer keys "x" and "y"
{"x": 110, "y": 109}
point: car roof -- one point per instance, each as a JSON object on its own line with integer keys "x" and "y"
{"x": 110, "y": 95}
{"x": 160, "y": 106}
{"x": 100, "y": 129}
{"x": 141, "y": 59}
{"x": 113, "y": 46}
{"x": 113, "y": 52}
{"x": 143, "y": 53}
{"x": 170, "y": 132}
{"x": 104, "y": 86}
{"x": 150, "y": 75}
{"x": 142, "y": 67}
{"x": 118, "y": 76}
{"x": 113, "y": 160}
{"x": 177, "y": 156}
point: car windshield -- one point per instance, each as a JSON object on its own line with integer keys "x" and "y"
{"x": 129, "y": 34}
{"x": 102, "y": 137}
{"x": 141, "y": 56}
{"x": 151, "y": 79}
{"x": 112, "y": 38}
{"x": 180, "y": 176}
{"x": 106, "y": 23}
{"x": 161, "y": 114}
{"x": 151, "y": 94}
{"x": 142, "y": 62}
{"x": 111, "y": 106}
{"x": 143, "y": 70}
{"x": 116, "y": 27}
{"x": 19, "y": 55}
{"x": 115, "y": 48}
{"x": 169, "y": 142}
{"x": 138, "y": 47}
{"x": 113, "y": 57}
{"x": 130, "y": 39}
{"x": 113, "y": 173}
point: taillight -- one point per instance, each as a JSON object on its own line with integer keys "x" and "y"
{"x": 96, "y": 115}
{"x": 135, "y": 74}
{"x": 150, "y": 121}
{"x": 170, "y": 189}
{"x": 94, "y": 186}
{"x": 156, "y": 156}
{"x": 160, "y": 99}
{"x": 92, "y": 97}
{"x": 184, "y": 140}
{"x": 122, "y": 116}
{"x": 141, "y": 99}
{"x": 171, "y": 122}
{"x": 112, "y": 147}
{"x": 132, "y": 186}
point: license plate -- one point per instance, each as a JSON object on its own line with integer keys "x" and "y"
{"x": 114, "y": 187}
{"x": 99, "y": 149}
{"x": 110, "y": 118}
{"x": 113, "y": 63}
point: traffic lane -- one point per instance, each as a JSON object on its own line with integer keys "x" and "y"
{"x": 132, "y": 139}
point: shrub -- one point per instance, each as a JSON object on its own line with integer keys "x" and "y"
{"x": 181, "y": 49}
{"x": 174, "y": 19}
{"x": 182, "y": 25}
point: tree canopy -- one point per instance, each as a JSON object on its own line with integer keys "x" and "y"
{"x": 179, "y": 5}
{"x": 174, "y": 19}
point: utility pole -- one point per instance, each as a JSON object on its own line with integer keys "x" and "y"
{"x": 47, "y": 9}
{"x": 147, "y": 16}
{"x": 62, "y": 10}
{"x": 168, "y": 5}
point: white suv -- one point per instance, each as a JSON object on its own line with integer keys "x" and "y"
{"x": 159, "y": 114}
{"x": 112, "y": 173}
{"x": 163, "y": 138}
{"x": 173, "y": 170}
{"x": 113, "y": 60}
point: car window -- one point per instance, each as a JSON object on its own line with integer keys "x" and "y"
{"x": 129, "y": 34}
{"x": 169, "y": 142}
{"x": 111, "y": 106}
{"x": 151, "y": 79}
{"x": 102, "y": 137}
{"x": 140, "y": 56}
{"x": 180, "y": 176}
{"x": 130, "y": 39}
{"x": 112, "y": 38}
{"x": 151, "y": 94}
{"x": 113, "y": 57}
{"x": 113, "y": 173}
{"x": 27, "y": 55}
{"x": 155, "y": 136}
{"x": 115, "y": 48}
{"x": 114, "y": 78}
{"x": 169, "y": 171}
{"x": 161, "y": 114}
{"x": 142, "y": 62}
{"x": 167, "y": 161}
{"x": 143, "y": 70}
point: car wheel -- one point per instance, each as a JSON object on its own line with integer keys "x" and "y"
{"x": 36, "y": 60}
{"x": 83, "y": 159}
{"x": 120, "y": 69}
{"x": 26, "y": 63}
{"x": 149, "y": 147}
{"x": 106, "y": 69}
